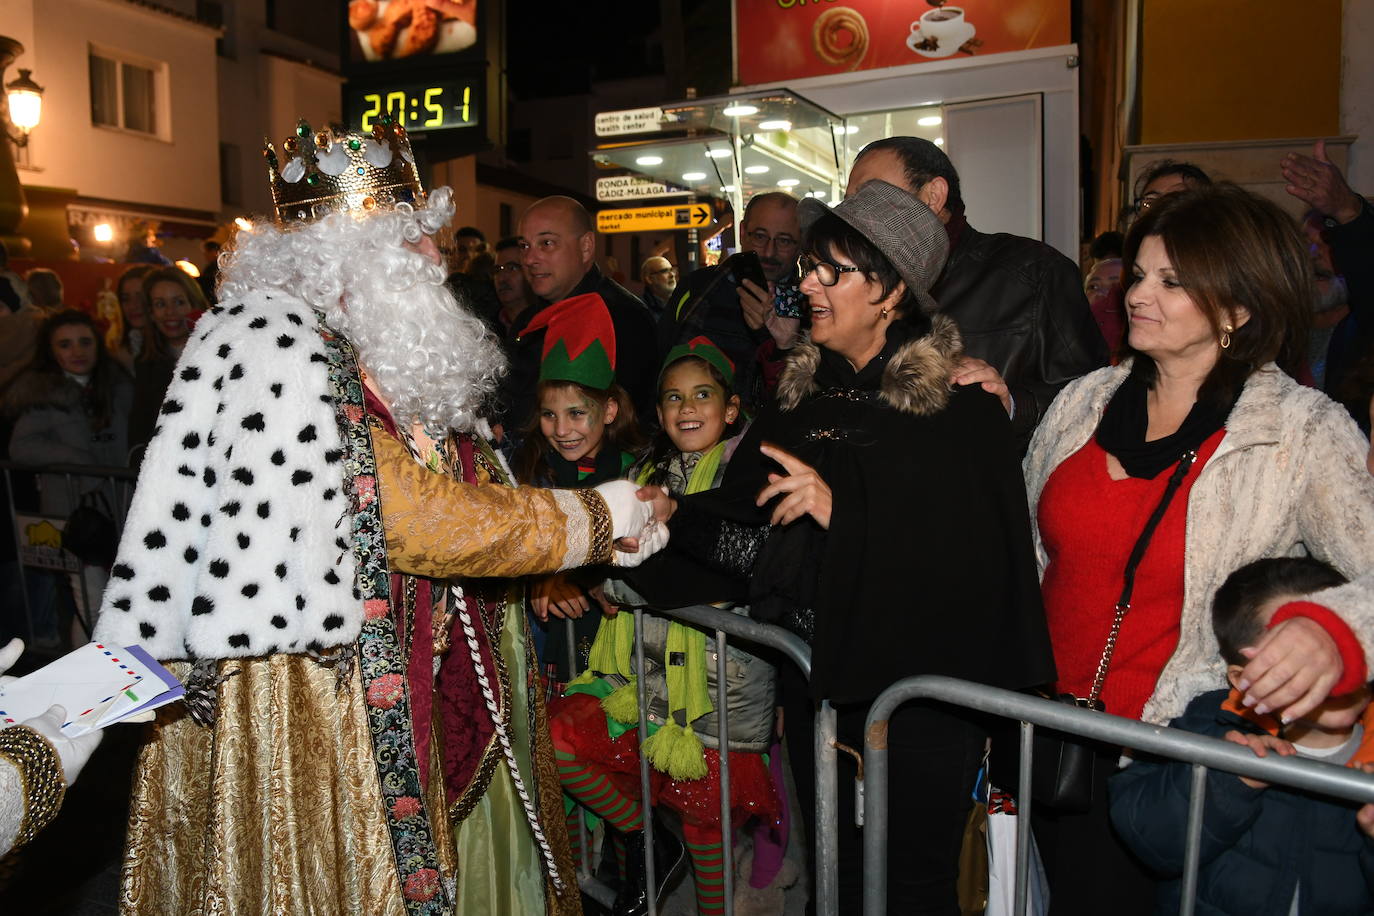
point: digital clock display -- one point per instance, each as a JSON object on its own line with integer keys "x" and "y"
{"x": 418, "y": 108}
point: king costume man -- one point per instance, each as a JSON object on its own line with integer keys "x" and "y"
{"x": 321, "y": 542}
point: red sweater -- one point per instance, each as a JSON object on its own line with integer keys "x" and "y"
{"x": 1089, "y": 523}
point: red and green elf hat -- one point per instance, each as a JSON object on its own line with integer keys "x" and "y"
{"x": 579, "y": 344}
{"x": 702, "y": 348}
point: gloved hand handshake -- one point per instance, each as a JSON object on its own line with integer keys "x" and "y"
{"x": 637, "y": 533}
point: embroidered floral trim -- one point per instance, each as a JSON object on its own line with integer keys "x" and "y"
{"x": 380, "y": 656}
{"x": 405, "y": 806}
{"x": 421, "y": 886}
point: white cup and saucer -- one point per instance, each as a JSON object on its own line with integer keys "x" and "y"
{"x": 943, "y": 24}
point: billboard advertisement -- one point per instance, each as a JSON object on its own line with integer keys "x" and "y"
{"x": 779, "y": 40}
{"x": 410, "y": 30}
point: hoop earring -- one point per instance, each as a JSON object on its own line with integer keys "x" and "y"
{"x": 1226, "y": 336}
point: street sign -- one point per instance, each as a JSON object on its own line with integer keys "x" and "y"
{"x": 630, "y": 121}
{"x": 650, "y": 219}
{"x": 634, "y": 187}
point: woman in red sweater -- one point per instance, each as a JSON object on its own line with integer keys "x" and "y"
{"x": 1217, "y": 302}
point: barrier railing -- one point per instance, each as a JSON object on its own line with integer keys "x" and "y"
{"x": 116, "y": 483}
{"x": 1202, "y": 752}
{"x": 723, "y": 623}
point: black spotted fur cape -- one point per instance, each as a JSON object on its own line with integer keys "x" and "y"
{"x": 237, "y": 542}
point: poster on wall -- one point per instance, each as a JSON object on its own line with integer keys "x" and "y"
{"x": 410, "y": 30}
{"x": 780, "y": 40}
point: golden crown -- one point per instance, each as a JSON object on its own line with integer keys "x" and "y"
{"x": 335, "y": 169}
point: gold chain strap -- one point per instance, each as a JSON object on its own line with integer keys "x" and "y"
{"x": 1107, "y": 651}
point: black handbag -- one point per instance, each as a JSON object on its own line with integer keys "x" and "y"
{"x": 1062, "y": 772}
{"x": 90, "y": 533}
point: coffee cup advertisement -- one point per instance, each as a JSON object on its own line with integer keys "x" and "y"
{"x": 779, "y": 40}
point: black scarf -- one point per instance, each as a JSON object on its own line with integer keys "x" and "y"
{"x": 567, "y": 474}
{"x": 1124, "y": 422}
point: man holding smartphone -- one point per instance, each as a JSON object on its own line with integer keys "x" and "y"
{"x": 748, "y": 305}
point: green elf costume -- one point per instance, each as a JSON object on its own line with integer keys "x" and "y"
{"x": 594, "y": 726}
{"x": 579, "y": 347}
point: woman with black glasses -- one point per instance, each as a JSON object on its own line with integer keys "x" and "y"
{"x": 881, "y": 516}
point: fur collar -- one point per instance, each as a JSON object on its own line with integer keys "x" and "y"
{"x": 915, "y": 380}
{"x": 37, "y": 389}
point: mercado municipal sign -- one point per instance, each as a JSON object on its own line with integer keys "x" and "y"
{"x": 651, "y": 219}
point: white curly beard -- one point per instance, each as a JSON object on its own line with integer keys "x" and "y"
{"x": 434, "y": 361}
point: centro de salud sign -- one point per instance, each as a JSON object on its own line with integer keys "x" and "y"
{"x": 630, "y": 121}
{"x": 651, "y": 219}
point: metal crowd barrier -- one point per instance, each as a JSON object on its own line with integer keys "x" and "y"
{"x": 1201, "y": 751}
{"x": 37, "y": 551}
{"x": 825, "y": 889}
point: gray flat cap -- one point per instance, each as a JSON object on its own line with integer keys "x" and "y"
{"x": 905, "y": 230}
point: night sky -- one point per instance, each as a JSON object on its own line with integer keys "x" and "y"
{"x": 554, "y": 55}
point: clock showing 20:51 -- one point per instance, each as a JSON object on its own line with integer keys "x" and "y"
{"x": 419, "y": 108}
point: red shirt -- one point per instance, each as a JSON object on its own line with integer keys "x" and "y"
{"x": 1089, "y": 523}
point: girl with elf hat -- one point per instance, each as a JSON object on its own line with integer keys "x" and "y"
{"x": 582, "y": 434}
{"x": 593, "y": 726}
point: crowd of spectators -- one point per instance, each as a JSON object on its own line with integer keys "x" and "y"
{"x": 921, "y": 448}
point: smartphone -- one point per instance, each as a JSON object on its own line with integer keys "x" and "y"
{"x": 746, "y": 266}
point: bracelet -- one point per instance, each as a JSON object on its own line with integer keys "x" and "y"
{"x": 600, "y": 514}
{"x": 40, "y": 771}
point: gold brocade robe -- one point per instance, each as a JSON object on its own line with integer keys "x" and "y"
{"x": 277, "y": 807}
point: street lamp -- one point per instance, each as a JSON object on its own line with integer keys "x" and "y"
{"x": 26, "y": 105}
{"x": 26, "y": 109}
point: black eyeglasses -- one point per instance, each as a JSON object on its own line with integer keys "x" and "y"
{"x": 827, "y": 273}
{"x": 1147, "y": 201}
{"x": 511, "y": 266}
{"x": 761, "y": 239}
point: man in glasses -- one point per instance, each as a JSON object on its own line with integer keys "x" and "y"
{"x": 751, "y": 323}
{"x": 659, "y": 277}
{"x": 1165, "y": 176}
{"x": 517, "y": 305}
{"x": 1019, "y": 304}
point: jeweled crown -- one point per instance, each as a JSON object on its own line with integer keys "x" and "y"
{"x": 335, "y": 169}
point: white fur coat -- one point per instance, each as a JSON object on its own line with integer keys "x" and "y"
{"x": 239, "y": 541}
{"x": 1289, "y": 476}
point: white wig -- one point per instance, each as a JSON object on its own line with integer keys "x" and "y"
{"x": 433, "y": 360}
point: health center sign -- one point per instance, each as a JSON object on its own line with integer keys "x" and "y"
{"x": 779, "y": 40}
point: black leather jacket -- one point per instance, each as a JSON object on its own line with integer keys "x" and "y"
{"x": 1019, "y": 305}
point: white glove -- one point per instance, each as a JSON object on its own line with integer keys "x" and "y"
{"x": 629, "y": 515}
{"x": 8, "y": 656}
{"x": 653, "y": 537}
{"x": 73, "y": 752}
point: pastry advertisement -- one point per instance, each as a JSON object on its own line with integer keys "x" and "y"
{"x": 397, "y": 30}
{"x": 788, "y": 39}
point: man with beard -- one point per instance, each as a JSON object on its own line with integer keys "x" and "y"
{"x": 319, "y": 538}
{"x": 1347, "y": 228}
{"x": 659, "y": 277}
{"x": 749, "y": 323}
